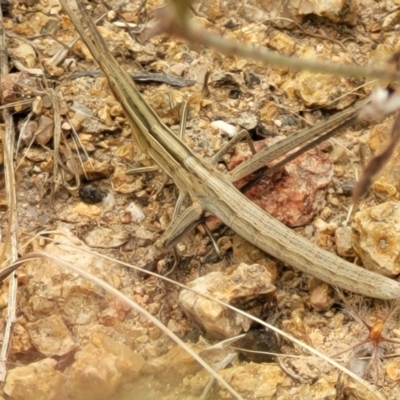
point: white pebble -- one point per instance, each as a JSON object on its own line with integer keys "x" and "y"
{"x": 136, "y": 212}
{"x": 229, "y": 129}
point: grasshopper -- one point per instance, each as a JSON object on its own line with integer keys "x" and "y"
{"x": 210, "y": 190}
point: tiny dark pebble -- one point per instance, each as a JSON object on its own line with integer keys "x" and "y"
{"x": 348, "y": 187}
{"x": 252, "y": 79}
{"x": 288, "y": 120}
{"x": 326, "y": 147}
{"x": 234, "y": 94}
{"x": 91, "y": 194}
{"x": 230, "y": 25}
{"x": 259, "y": 340}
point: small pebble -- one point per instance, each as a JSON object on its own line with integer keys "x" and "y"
{"x": 343, "y": 238}
{"x": 111, "y": 15}
{"x": 348, "y": 187}
{"x": 136, "y": 212}
{"x": 91, "y": 194}
{"x": 259, "y": 342}
{"x": 320, "y": 297}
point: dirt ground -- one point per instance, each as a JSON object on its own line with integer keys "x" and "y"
{"x": 78, "y": 201}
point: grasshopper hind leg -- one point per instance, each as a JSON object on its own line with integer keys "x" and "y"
{"x": 183, "y": 222}
{"x": 241, "y": 135}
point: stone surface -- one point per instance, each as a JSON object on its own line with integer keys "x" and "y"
{"x": 243, "y": 251}
{"x": 322, "y": 389}
{"x": 321, "y": 297}
{"x": 100, "y": 368}
{"x": 386, "y": 183}
{"x": 376, "y": 238}
{"x": 39, "y": 381}
{"x": 339, "y": 11}
{"x": 236, "y": 286}
{"x": 106, "y": 238}
{"x": 51, "y": 336}
{"x": 343, "y": 241}
{"x": 125, "y": 183}
{"x": 393, "y": 370}
{"x": 281, "y": 42}
{"x": 292, "y": 195}
{"x": 97, "y": 170}
{"x": 174, "y": 365}
{"x": 81, "y": 212}
{"x": 253, "y": 381}
{"x": 316, "y": 89}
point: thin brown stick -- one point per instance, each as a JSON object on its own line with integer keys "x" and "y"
{"x": 174, "y": 20}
